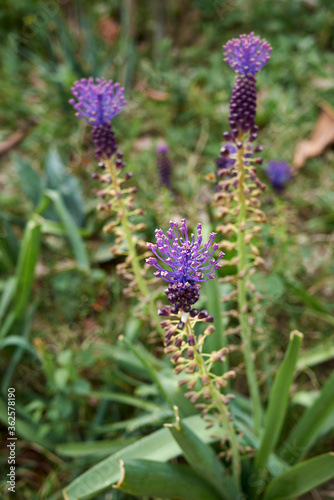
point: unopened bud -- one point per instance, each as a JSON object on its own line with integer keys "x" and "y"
{"x": 178, "y": 369}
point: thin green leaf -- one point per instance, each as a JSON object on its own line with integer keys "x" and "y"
{"x": 301, "y": 478}
{"x": 123, "y": 398}
{"x": 202, "y": 459}
{"x": 17, "y": 341}
{"x": 93, "y": 448}
{"x": 77, "y": 243}
{"x": 7, "y": 296}
{"x": 141, "y": 354}
{"x": 25, "y": 430}
{"x": 278, "y": 402}
{"x": 25, "y": 272}
{"x": 315, "y": 356}
{"x": 16, "y": 357}
{"x": 310, "y": 425}
{"x": 31, "y": 182}
{"x": 159, "y": 480}
{"x": 217, "y": 339}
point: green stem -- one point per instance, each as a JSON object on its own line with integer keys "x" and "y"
{"x": 136, "y": 268}
{"x": 221, "y": 407}
{"x": 242, "y": 297}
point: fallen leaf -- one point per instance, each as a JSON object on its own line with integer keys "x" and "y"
{"x": 109, "y": 29}
{"x": 157, "y": 95}
{"x": 12, "y": 141}
{"x": 322, "y": 136}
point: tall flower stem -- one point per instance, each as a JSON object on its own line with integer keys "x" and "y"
{"x": 215, "y": 396}
{"x": 242, "y": 297}
{"x": 136, "y": 267}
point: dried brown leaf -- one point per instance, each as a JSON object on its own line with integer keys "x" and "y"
{"x": 322, "y": 136}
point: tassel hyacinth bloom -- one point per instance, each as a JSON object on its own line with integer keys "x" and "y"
{"x": 186, "y": 263}
{"x": 240, "y": 188}
{"x": 97, "y": 103}
{"x": 246, "y": 55}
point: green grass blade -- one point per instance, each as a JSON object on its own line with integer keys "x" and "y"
{"x": 202, "y": 459}
{"x": 7, "y": 296}
{"x": 99, "y": 448}
{"x": 16, "y": 357}
{"x": 278, "y": 401}
{"x": 118, "y": 397}
{"x": 77, "y": 243}
{"x": 309, "y": 427}
{"x": 158, "y": 446}
{"x": 301, "y": 478}
{"x": 26, "y": 430}
{"x": 25, "y": 272}
{"x": 159, "y": 480}
{"x": 315, "y": 356}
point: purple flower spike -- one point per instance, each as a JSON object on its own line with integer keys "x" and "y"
{"x": 278, "y": 173}
{"x": 247, "y": 54}
{"x": 99, "y": 101}
{"x": 185, "y": 263}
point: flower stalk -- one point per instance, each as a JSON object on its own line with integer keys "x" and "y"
{"x": 215, "y": 396}
{"x": 134, "y": 260}
{"x": 242, "y": 293}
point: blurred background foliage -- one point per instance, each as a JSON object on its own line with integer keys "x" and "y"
{"x": 61, "y": 308}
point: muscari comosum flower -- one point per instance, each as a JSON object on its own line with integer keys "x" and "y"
{"x": 97, "y": 103}
{"x": 186, "y": 263}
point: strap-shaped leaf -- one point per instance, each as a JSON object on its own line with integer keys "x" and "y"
{"x": 160, "y": 480}
{"x": 308, "y": 428}
{"x": 158, "y": 446}
{"x": 301, "y": 478}
{"x": 202, "y": 459}
{"x": 73, "y": 234}
{"x": 278, "y": 401}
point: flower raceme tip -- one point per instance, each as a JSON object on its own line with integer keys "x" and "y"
{"x": 98, "y": 101}
{"x": 247, "y": 54}
{"x": 186, "y": 262}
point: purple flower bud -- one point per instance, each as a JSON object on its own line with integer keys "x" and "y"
{"x": 164, "y": 165}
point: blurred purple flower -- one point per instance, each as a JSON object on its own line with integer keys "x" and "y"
{"x": 279, "y": 174}
{"x": 97, "y": 103}
{"x": 164, "y": 165}
{"x": 187, "y": 263}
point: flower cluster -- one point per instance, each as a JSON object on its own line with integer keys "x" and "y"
{"x": 185, "y": 263}
{"x": 97, "y": 103}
